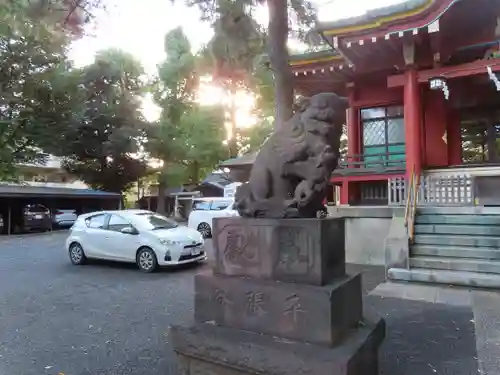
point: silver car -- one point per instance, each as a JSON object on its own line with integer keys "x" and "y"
{"x": 64, "y": 218}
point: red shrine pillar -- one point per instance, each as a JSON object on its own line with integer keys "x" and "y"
{"x": 353, "y": 138}
{"x": 344, "y": 193}
{"x": 348, "y": 190}
{"x": 413, "y": 120}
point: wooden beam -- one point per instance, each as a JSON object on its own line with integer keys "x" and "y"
{"x": 456, "y": 71}
{"x": 341, "y": 48}
{"x": 409, "y": 52}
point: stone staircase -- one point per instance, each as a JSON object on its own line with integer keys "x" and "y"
{"x": 455, "y": 246}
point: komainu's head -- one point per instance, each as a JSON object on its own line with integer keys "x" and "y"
{"x": 326, "y": 107}
{"x": 322, "y": 115}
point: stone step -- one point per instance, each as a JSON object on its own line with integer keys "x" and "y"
{"x": 456, "y": 264}
{"x": 462, "y": 210}
{"x": 458, "y": 219}
{"x": 464, "y": 240}
{"x": 462, "y": 278}
{"x": 455, "y": 252}
{"x": 473, "y": 230}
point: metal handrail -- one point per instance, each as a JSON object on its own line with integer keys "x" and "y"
{"x": 411, "y": 204}
{"x": 407, "y": 205}
{"x": 416, "y": 189}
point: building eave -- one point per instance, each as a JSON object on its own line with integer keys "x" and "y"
{"x": 313, "y": 58}
{"x": 382, "y": 17}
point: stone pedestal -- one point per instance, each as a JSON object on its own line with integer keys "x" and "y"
{"x": 279, "y": 302}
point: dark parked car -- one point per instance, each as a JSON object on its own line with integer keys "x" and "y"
{"x": 36, "y": 217}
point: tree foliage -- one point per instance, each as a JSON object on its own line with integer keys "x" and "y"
{"x": 173, "y": 92}
{"x": 59, "y": 16}
{"x": 250, "y": 139}
{"x": 31, "y": 56}
{"x": 33, "y": 105}
{"x": 202, "y": 132}
{"x": 92, "y": 116}
{"x": 103, "y": 143}
{"x": 238, "y": 40}
{"x": 187, "y": 138}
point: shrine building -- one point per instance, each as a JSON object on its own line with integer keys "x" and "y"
{"x": 419, "y": 184}
{"x": 422, "y": 81}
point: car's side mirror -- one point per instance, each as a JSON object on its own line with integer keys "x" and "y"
{"x": 129, "y": 230}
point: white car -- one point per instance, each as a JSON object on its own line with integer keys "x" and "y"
{"x": 64, "y": 218}
{"x": 205, "y": 209}
{"x": 135, "y": 236}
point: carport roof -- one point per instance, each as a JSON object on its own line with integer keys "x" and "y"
{"x": 35, "y": 191}
{"x": 240, "y": 161}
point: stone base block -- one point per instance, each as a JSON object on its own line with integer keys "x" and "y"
{"x": 309, "y": 251}
{"x": 321, "y": 315}
{"x": 206, "y": 349}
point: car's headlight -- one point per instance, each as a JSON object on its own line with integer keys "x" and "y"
{"x": 169, "y": 242}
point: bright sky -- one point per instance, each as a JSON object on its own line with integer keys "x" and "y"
{"x": 139, "y": 27}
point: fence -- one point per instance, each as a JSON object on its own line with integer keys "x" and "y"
{"x": 373, "y": 192}
{"x": 436, "y": 190}
{"x": 373, "y": 163}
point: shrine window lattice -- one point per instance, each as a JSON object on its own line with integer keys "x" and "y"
{"x": 383, "y": 134}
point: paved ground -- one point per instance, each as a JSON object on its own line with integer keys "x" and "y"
{"x": 438, "y": 330}
{"x": 107, "y": 319}
{"x": 92, "y": 320}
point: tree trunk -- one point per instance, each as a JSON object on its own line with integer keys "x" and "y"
{"x": 233, "y": 142}
{"x": 195, "y": 173}
{"x": 162, "y": 186}
{"x": 138, "y": 189}
{"x": 278, "y": 56}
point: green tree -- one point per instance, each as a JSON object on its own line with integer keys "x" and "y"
{"x": 202, "y": 134}
{"x": 252, "y": 138}
{"x": 104, "y": 143}
{"x": 188, "y": 138}
{"x": 33, "y": 100}
{"x": 174, "y": 92}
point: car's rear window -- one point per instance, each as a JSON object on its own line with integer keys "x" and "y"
{"x": 201, "y": 205}
{"x": 96, "y": 221}
{"x": 38, "y": 208}
{"x": 220, "y": 205}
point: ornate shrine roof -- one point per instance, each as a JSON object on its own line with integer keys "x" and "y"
{"x": 375, "y": 42}
{"x": 410, "y": 17}
{"x": 378, "y": 17}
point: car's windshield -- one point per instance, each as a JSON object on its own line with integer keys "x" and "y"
{"x": 152, "y": 221}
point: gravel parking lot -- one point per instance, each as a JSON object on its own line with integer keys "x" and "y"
{"x": 101, "y": 318}
{"x": 111, "y": 319}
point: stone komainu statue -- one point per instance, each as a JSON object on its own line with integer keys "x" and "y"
{"x": 291, "y": 173}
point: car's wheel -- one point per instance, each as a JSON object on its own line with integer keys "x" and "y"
{"x": 146, "y": 260}
{"x": 76, "y": 254}
{"x": 205, "y": 230}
